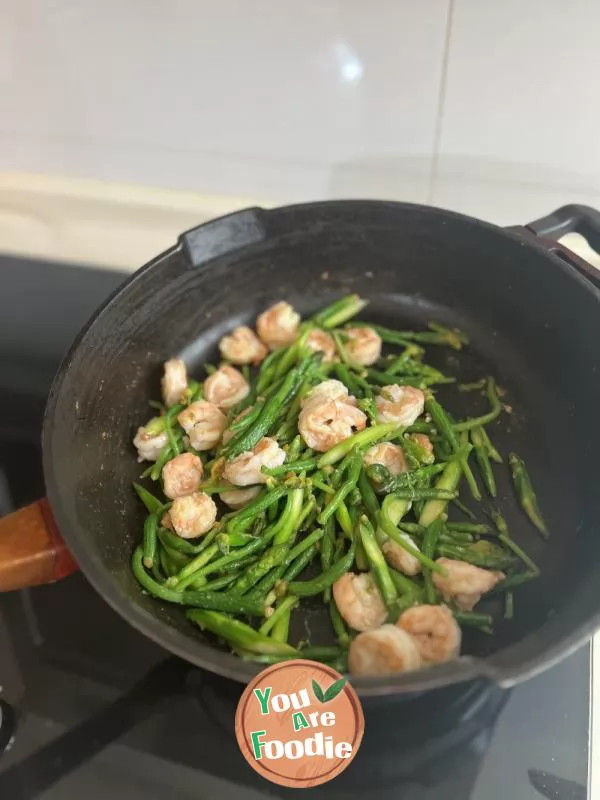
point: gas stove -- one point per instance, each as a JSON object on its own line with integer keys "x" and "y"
{"x": 89, "y": 707}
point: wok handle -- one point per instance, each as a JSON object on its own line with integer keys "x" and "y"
{"x": 32, "y": 550}
{"x": 570, "y": 219}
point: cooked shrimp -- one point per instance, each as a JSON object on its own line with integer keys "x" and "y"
{"x": 389, "y": 455}
{"x": 149, "y": 446}
{"x": 422, "y": 440}
{"x": 182, "y": 475}
{"x": 238, "y": 498}
{"x": 383, "y": 651}
{"x": 245, "y": 469}
{"x": 242, "y": 346}
{"x": 204, "y": 423}
{"x": 174, "y": 381}
{"x": 359, "y": 601}
{"x": 226, "y": 387}
{"x": 193, "y": 515}
{"x": 464, "y": 582}
{"x": 363, "y": 345}
{"x": 328, "y": 390}
{"x": 401, "y": 404}
{"x": 435, "y": 631}
{"x": 397, "y": 556}
{"x": 229, "y": 434}
{"x": 166, "y": 521}
{"x": 321, "y": 342}
{"x": 325, "y": 424}
{"x": 278, "y": 325}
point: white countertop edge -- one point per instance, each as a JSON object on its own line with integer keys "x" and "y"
{"x": 115, "y": 225}
{"x": 100, "y": 224}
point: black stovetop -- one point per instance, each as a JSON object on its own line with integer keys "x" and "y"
{"x": 97, "y": 710}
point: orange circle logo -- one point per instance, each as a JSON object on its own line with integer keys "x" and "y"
{"x": 299, "y": 723}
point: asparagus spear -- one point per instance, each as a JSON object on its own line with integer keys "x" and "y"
{"x": 527, "y": 498}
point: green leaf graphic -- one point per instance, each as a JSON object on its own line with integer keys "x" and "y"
{"x": 334, "y": 690}
{"x": 318, "y": 692}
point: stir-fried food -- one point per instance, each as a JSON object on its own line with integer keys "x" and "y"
{"x": 243, "y": 346}
{"x": 316, "y": 465}
{"x": 435, "y": 631}
{"x": 359, "y": 601}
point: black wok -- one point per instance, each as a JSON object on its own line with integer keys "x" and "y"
{"x": 531, "y": 308}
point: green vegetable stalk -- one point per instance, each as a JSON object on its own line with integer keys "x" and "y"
{"x": 152, "y": 503}
{"x": 483, "y": 460}
{"x": 210, "y": 600}
{"x": 327, "y": 578}
{"x": 340, "y": 312}
{"x": 430, "y": 540}
{"x": 449, "y": 481}
{"x": 367, "y": 437}
{"x": 284, "y": 607}
{"x": 240, "y": 635}
{"x": 479, "y": 422}
{"x": 389, "y": 529}
{"x": 527, "y": 497}
{"x": 150, "y": 540}
{"x": 378, "y": 563}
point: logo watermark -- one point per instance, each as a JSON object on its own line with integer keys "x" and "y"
{"x": 299, "y": 723}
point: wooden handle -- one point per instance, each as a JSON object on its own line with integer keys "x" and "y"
{"x": 32, "y": 550}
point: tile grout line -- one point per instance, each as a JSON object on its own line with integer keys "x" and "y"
{"x": 437, "y": 134}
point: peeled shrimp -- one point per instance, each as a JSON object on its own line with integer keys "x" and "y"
{"x": 149, "y": 446}
{"x": 435, "y": 631}
{"x": 238, "y": 498}
{"x": 174, "y": 381}
{"x": 242, "y": 346}
{"x": 422, "y": 440}
{"x": 226, "y": 387}
{"x": 204, "y": 423}
{"x": 359, "y": 601}
{"x": 465, "y": 583}
{"x": 363, "y": 345}
{"x": 229, "y": 434}
{"x": 397, "y": 556}
{"x": 278, "y": 325}
{"x": 193, "y": 515}
{"x": 328, "y": 390}
{"x": 321, "y": 342}
{"x": 401, "y": 404}
{"x": 389, "y": 455}
{"x": 323, "y": 424}
{"x": 383, "y": 651}
{"x": 245, "y": 469}
{"x": 182, "y": 475}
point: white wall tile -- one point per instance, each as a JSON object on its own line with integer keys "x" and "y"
{"x": 270, "y": 98}
{"x": 519, "y": 132}
{"x": 505, "y": 203}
